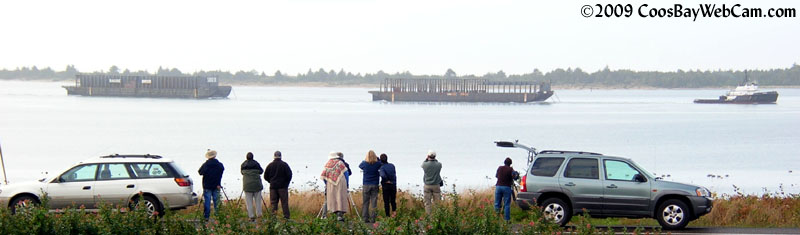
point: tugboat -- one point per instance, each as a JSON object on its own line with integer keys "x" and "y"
{"x": 746, "y": 93}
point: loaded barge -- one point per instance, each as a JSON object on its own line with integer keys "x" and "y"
{"x": 460, "y": 90}
{"x": 197, "y": 87}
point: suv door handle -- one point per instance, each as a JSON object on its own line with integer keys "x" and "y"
{"x": 129, "y": 186}
{"x": 87, "y": 187}
{"x": 570, "y": 184}
{"x": 611, "y": 186}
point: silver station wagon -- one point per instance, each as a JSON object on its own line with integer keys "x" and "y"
{"x": 565, "y": 183}
{"x": 115, "y": 179}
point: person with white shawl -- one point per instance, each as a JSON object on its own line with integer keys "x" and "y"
{"x": 336, "y": 177}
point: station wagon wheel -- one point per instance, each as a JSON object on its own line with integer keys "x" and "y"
{"x": 673, "y": 214}
{"x": 150, "y": 204}
{"x": 23, "y": 203}
{"x": 557, "y": 211}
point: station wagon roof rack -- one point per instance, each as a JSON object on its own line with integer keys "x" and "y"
{"x": 132, "y": 156}
{"x": 562, "y": 152}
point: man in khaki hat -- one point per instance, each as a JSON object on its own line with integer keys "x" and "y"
{"x": 211, "y": 171}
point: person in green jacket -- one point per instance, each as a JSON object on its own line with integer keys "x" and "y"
{"x": 432, "y": 191}
{"x": 251, "y": 179}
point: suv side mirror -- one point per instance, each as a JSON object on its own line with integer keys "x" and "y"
{"x": 639, "y": 178}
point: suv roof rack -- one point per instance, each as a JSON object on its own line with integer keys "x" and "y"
{"x": 132, "y": 156}
{"x": 562, "y": 152}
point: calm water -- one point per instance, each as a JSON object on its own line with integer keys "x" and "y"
{"x": 756, "y": 146}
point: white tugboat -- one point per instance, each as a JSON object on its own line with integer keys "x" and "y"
{"x": 746, "y": 93}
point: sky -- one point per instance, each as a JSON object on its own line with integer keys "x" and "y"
{"x": 364, "y": 36}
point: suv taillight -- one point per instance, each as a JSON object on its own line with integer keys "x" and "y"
{"x": 523, "y": 184}
{"x": 183, "y": 182}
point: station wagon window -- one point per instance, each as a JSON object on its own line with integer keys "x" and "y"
{"x": 585, "y": 168}
{"x": 79, "y": 173}
{"x": 113, "y": 171}
{"x": 619, "y": 170}
{"x": 546, "y": 166}
{"x": 149, "y": 170}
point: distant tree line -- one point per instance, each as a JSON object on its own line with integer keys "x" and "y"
{"x": 559, "y": 77}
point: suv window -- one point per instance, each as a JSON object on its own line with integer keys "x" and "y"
{"x": 585, "y": 168}
{"x": 80, "y": 173}
{"x": 546, "y": 166}
{"x": 619, "y": 170}
{"x": 113, "y": 171}
{"x": 149, "y": 170}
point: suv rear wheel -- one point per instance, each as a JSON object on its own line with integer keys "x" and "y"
{"x": 557, "y": 211}
{"x": 673, "y": 214}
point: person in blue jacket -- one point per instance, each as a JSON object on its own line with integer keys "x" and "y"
{"x": 370, "y": 166}
{"x": 389, "y": 185}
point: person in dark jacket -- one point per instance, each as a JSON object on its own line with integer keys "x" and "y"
{"x": 389, "y": 185}
{"x": 251, "y": 180}
{"x": 502, "y": 192}
{"x": 278, "y": 174}
{"x": 370, "y": 166}
{"x": 211, "y": 171}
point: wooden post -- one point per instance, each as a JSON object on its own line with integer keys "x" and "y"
{"x": 3, "y": 163}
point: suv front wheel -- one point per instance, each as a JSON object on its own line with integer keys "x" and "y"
{"x": 673, "y": 214}
{"x": 557, "y": 211}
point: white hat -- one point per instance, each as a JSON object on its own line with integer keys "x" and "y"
{"x": 211, "y": 154}
{"x": 333, "y": 155}
{"x": 431, "y": 153}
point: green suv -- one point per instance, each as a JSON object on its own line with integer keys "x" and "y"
{"x": 564, "y": 183}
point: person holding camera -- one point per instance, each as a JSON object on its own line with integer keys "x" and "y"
{"x": 432, "y": 191}
{"x": 502, "y": 192}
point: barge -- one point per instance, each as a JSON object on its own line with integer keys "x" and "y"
{"x": 197, "y": 87}
{"x": 460, "y": 90}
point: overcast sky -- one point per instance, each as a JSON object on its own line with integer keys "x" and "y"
{"x": 423, "y": 37}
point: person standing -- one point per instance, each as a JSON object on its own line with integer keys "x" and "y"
{"x": 432, "y": 191}
{"x": 389, "y": 185}
{"x": 252, "y": 186}
{"x": 279, "y": 175}
{"x": 336, "y": 175}
{"x": 370, "y": 167}
{"x": 502, "y": 192}
{"x": 211, "y": 171}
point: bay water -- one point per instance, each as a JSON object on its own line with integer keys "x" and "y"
{"x": 721, "y": 146}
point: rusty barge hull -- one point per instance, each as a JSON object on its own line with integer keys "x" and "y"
{"x": 198, "y": 93}
{"x": 460, "y": 97}
{"x": 192, "y": 87}
{"x": 460, "y": 90}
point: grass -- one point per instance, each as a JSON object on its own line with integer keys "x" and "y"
{"x": 467, "y": 212}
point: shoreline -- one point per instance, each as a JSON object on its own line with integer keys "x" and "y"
{"x": 369, "y": 85}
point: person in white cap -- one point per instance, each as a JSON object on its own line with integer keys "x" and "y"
{"x": 432, "y": 191}
{"x": 211, "y": 171}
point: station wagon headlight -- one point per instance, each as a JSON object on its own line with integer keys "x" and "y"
{"x": 702, "y": 192}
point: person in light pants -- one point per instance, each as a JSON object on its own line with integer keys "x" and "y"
{"x": 251, "y": 180}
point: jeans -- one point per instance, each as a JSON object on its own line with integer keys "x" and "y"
{"x": 370, "y": 203}
{"x": 253, "y": 202}
{"x": 503, "y": 193}
{"x": 281, "y": 195}
{"x": 208, "y": 195}
{"x": 432, "y": 194}
{"x": 389, "y": 198}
